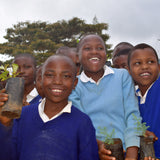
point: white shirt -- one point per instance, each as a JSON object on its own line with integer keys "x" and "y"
{"x": 32, "y": 95}
{"x": 45, "y": 118}
{"x": 84, "y": 78}
{"x": 138, "y": 93}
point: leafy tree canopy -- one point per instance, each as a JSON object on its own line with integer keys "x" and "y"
{"x": 42, "y": 39}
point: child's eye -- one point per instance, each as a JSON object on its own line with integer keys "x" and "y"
{"x": 49, "y": 75}
{"x": 137, "y": 63}
{"x": 27, "y": 67}
{"x": 67, "y": 76}
{"x": 150, "y": 62}
{"x": 100, "y": 48}
{"x": 87, "y": 48}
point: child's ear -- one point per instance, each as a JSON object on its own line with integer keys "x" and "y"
{"x": 75, "y": 83}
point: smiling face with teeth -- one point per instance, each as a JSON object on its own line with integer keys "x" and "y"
{"x": 92, "y": 56}
{"x": 144, "y": 68}
{"x": 58, "y": 76}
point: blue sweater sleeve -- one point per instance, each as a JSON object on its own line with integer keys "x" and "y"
{"x": 14, "y": 140}
{"x": 88, "y": 145}
{"x": 130, "y": 106}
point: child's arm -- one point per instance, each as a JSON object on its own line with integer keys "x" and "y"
{"x": 132, "y": 153}
{"x": 104, "y": 154}
{"x": 3, "y": 98}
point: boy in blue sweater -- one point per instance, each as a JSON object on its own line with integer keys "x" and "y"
{"x": 55, "y": 129}
{"x": 107, "y": 96}
{"x": 144, "y": 68}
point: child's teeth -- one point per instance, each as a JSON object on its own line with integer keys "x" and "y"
{"x": 56, "y": 90}
{"x": 145, "y": 74}
{"x": 95, "y": 58}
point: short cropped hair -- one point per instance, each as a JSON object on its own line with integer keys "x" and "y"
{"x": 89, "y": 34}
{"x": 28, "y": 55}
{"x": 141, "y": 46}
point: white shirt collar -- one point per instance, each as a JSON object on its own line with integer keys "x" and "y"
{"x": 45, "y": 118}
{"x": 84, "y": 78}
{"x": 138, "y": 93}
{"x": 32, "y": 95}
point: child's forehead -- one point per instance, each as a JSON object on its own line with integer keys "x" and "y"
{"x": 91, "y": 38}
{"x": 23, "y": 59}
{"x": 145, "y": 51}
{"x": 60, "y": 62}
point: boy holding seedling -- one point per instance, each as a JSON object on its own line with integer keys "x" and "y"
{"x": 27, "y": 68}
{"x": 107, "y": 96}
{"x": 55, "y": 129}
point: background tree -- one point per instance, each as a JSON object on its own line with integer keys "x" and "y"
{"x": 42, "y": 39}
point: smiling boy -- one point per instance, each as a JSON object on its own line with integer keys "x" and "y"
{"x": 55, "y": 129}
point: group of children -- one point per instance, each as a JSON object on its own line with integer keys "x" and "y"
{"x": 64, "y": 124}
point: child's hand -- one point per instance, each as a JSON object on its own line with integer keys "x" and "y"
{"x": 151, "y": 134}
{"x": 150, "y": 158}
{"x": 104, "y": 154}
{"x": 3, "y": 97}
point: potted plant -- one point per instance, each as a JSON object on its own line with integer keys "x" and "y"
{"x": 112, "y": 144}
{"x": 14, "y": 88}
{"x": 146, "y": 143}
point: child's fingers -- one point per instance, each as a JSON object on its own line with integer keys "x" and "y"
{"x": 3, "y": 90}
{"x": 149, "y": 158}
{"x": 151, "y": 134}
{"x": 3, "y": 97}
{"x": 104, "y": 154}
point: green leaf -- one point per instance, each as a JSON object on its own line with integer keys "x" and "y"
{"x": 14, "y": 69}
{"x": 108, "y": 136}
{"x": 5, "y": 73}
{"x": 140, "y": 127}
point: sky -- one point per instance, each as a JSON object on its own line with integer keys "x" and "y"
{"x": 134, "y": 21}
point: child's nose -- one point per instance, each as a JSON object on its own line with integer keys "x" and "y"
{"x": 20, "y": 70}
{"x": 144, "y": 65}
{"x": 94, "y": 51}
{"x": 57, "y": 80}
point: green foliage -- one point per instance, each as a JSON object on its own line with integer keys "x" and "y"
{"x": 140, "y": 127}
{"x": 108, "y": 136}
{"x": 42, "y": 37}
{"x": 4, "y": 75}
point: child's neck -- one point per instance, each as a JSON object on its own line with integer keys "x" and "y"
{"x": 28, "y": 89}
{"x": 51, "y": 109}
{"x": 143, "y": 89}
{"x": 95, "y": 75}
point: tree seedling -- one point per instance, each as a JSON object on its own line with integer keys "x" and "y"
{"x": 108, "y": 136}
{"x": 140, "y": 127}
{"x": 5, "y": 72}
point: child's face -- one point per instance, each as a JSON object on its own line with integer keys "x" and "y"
{"x": 121, "y": 61}
{"x": 144, "y": 67}
{"x": 58, "y": 80}
{"x": 74, "y": 56}
{"x": 92, "y": 55}
{"x": 39, "y": 82}
{"x": 26, "y": 69}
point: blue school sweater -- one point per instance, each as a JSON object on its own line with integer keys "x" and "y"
{"x": 5, "y": 137}
{"x": 150, "y": 112}
{"x": 36, "y": 99}
{"x": 71, "y": 136}
{"x": 5, "y": 142}
{"x": 110, "y": 104}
